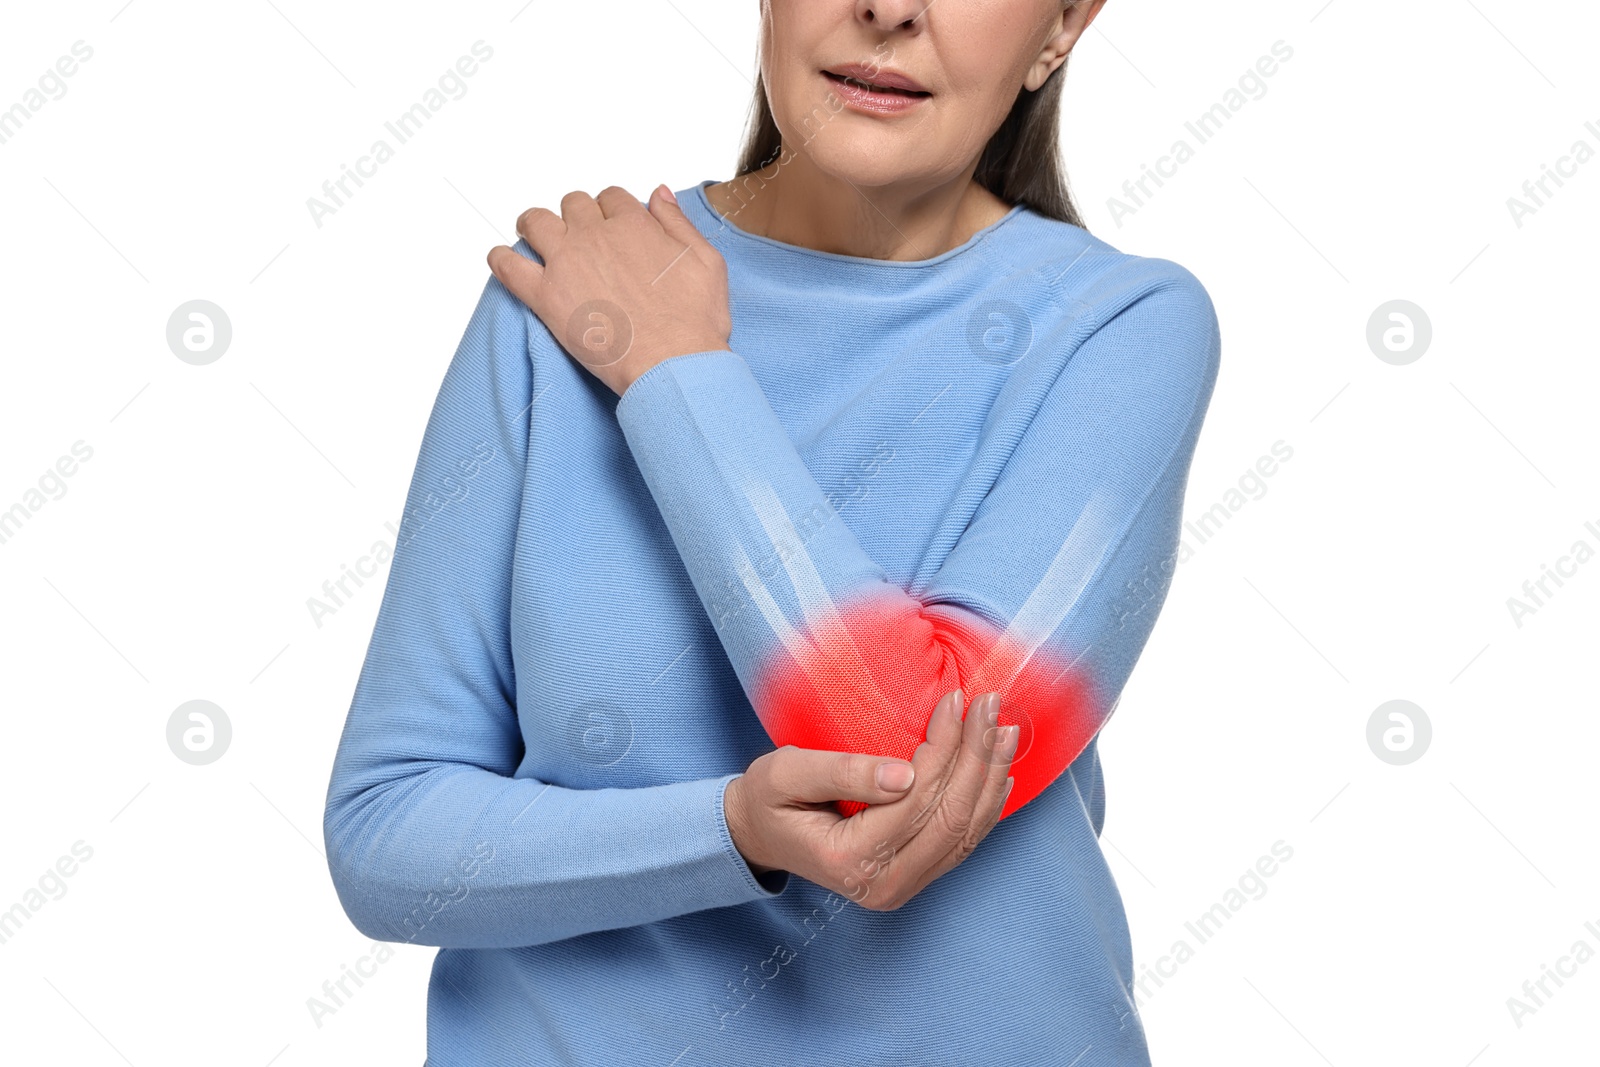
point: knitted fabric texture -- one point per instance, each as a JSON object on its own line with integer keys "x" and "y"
{"x": 901, "y": 478}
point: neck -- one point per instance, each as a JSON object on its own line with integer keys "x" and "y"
{"x": 794, "y": 202}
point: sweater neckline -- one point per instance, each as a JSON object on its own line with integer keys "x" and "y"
{"x": 717, "y": 223}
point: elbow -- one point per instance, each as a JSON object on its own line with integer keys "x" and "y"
{"x": 374, "y": 904}
{"x": 357, "y": 894}
{"x": 393, "y": 879}
{"x": 869, "y": 678}
{"x": 367, "y": 919}
{"x": 353, "y": 856}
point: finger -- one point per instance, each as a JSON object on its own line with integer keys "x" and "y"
{"x": 950, "y": 813}
{"x": 815, "y": 776}
{"x": 952, "y": 837}
{"x": 882, "y": 832}
{"x": 956, "y": 856}
{"x": 971, "y": 768}
{"x": 543, "y": 229}
{"x": 942, "y": 751}
{"x": 890, "y": 826}
{"x": 578, "y": 208}
{"x": 614, "y": 200}
{"x": 990, "y": 806}
{"x": 672, "y": 219}
{"x": 523, "y": 277}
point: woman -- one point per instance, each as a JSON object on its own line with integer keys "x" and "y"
{"x": 663, "y": 735}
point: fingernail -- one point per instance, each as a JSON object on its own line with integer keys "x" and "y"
{"x": 895, "y": 776}
{"x": 958, "y": 701}
{"x": 668, "y": 194}
{"x": 991, "y": 708}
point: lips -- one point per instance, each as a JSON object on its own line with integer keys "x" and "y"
{"x": 877, "y": 79}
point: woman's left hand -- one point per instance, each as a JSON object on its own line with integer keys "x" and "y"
{"x": 622, "y": 287}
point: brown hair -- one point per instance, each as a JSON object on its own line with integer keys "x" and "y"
{"x": 1021, "y": 162}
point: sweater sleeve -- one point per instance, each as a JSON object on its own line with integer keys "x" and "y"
{"x": 1047, "y": 597}
{"x": 431, "y": 838}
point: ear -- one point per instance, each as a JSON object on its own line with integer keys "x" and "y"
{"x": 1075, "y": 18}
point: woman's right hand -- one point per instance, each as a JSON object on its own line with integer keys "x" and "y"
{"x": 927, "y": 814}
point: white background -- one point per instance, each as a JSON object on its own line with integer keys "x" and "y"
{"x": 1377, "y": 566}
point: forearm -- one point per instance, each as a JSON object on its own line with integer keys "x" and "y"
{"x": 767, "y": 548}
{"x": 1030, "y": 601}
{"x": 431, "y": 837}
{"x": 460, "y": 857}
{"x": 830, "y": 652}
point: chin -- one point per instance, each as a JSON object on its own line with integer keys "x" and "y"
{"x": 865, "y": 161}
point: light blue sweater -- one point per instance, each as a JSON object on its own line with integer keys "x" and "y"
{"x": 532, "y": 771}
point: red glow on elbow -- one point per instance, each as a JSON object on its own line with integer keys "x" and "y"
{"x": 868, "y": 680}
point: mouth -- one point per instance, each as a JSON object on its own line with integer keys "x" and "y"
{"x": 900, "y": 86}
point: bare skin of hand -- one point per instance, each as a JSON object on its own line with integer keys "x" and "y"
{"x": 781, "y": 816}
{"x": 622, "y": 287}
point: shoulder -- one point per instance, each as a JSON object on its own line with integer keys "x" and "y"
{"x": 500, "y": 346}
{"x": 503, "y": 318}
{"x": 1104, "y": 285}
{"x": 1089, "y": 273}
{"x": 1165, "y": 292}
{"x": 1141, "y": 315}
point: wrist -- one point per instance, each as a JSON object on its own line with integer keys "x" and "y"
{"x": 647, "y": 363}
{"x": 733, "y": 814}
